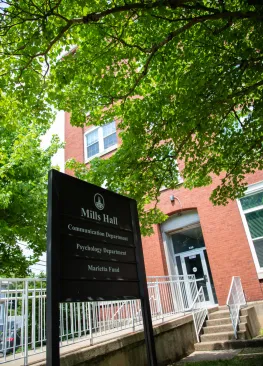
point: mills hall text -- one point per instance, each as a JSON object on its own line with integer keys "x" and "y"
{"x": 102, "y": 217}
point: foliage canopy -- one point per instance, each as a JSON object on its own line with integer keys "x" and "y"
{"x": 23, "y": 185}
{"x": 185, "y": 72}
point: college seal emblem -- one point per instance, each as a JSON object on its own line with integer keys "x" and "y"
{"x": 99, "y": 201}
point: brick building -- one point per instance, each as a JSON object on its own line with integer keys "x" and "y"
{"x": 214, "y": 243}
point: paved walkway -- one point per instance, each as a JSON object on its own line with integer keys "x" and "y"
{"x": 199, "y": 356}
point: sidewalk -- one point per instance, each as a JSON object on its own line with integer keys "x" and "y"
{"x": 238, "y": 355}
{"x": 199, "y": 356}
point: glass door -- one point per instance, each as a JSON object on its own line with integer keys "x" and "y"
{"x": 195, "y": 264}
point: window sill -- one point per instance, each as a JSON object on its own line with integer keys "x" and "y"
{"x": 260, "y": 275}
{"x": 104, "y": 152}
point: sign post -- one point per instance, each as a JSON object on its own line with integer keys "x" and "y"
{"x": 94, "y": 253}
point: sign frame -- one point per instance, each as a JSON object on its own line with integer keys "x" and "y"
{"x": 54, "y": 234}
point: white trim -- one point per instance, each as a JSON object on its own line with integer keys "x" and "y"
{"x": 190, "y": 251}
{"x": 185, "y": 228}
{"x": 188, "y": 219}
{"x": 256, "y": 208}
{"x": 175, "y": 224}
{"x": 171, "y": 265}
{"x": 199, "y": 251}
{"x": 178, "y": 222}
{"x": 258, "y": 238}
{"x": 252, "y": 189}
{"x": 102, "y": 151}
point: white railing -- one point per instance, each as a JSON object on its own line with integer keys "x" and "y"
{"x": 199, "y": 312}
{"x": 235, "y": 300}
{"x": 180, "y": 290}
{"x": 23, "y": 310}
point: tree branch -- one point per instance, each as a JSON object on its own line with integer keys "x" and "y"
{"x": 237, "y": 117}
{"x": 44, "y": 53}
{"x": 153, "y": 50}
{"x": 247, "y": 89}
{"x": 143, "y": 5}
{"x": 225, "y": 15}
{"x": 94, "y": 17}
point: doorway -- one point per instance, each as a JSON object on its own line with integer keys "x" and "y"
{"x": 190, "y": 258}
{"x": 195, "y": 264}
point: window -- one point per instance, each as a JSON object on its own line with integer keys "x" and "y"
{"x": 92, "y": 143}
{"x": 251, "y": 207}
{"x": 100, "y": 140}
{"x": 188, "y": 239}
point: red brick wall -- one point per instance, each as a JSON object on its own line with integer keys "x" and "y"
{"x": 153, "y": 251}
{"x": 74, "y": 147}
{"x": 224, "y": 235}
{"x": 74, "y": 138}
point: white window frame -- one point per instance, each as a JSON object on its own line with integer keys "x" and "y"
{"x": 252, "y": 189}
{"x": 102, "y": 151}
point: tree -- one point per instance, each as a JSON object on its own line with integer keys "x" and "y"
{"x": 183, "y": 77}
{"x": 23, "y": 185}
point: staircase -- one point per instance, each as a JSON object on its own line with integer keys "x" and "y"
{"x": 218, "y": 334}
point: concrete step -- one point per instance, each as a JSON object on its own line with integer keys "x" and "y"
{"x": 222, "y": 328}
{"x": 213, "y": 309}
{"x": 214, "y": 322}
{"x": 243, "y": 319}
{"x": 244, "y": 311}
{"x": 242, "y": 326}
{"x": 223, "y": 307}
{"x": 218, "y": 329}
{"x": 231, "y": 344}
{"x": 219, "y": 314}
{"x": 223, "y": 336}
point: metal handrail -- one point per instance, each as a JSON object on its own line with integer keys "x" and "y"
{"x": 199, "y": 311}
{"x": 23, "y": 311}
{"x": 235, "y": 300}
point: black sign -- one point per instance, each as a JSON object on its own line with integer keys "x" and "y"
{"x": 76, "y": 290}
{"x": 96, "y": 231}
{"x": 95, "y": 241}
{"x": 83, "y": 269}
{"x": 94, "y": 253}
{"x": 94, "y": 203}
{"x": 78, "y": 247}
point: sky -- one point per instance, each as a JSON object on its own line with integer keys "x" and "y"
{"x": 58, "y": 159}
{"x": 56, "y": 129}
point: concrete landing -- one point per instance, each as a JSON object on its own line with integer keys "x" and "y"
{"x": 199, "y": 356}
{"x": 239, "y": 354}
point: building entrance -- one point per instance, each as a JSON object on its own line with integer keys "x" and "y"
{"x": 191, "y": 259}
{"x": 195, "y": 264}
